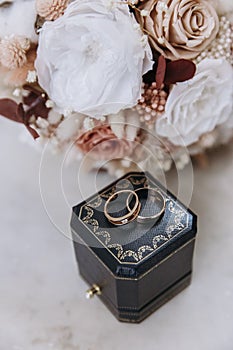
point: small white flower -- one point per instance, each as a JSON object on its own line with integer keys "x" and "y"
{"x": 49, "y": 104}
{"x": 25, "y": 93}
{"x": 103, "y": 119}
{"x": 166, "y": 164}
{"x": 198, "y": 106}
{"x": 182, "y": 161}
{"x": 88, "y": 123}
{"x": 103, "y": 73}
{"x": 31, "y": 77}
{"x": 42, "y": 123}
{"x": 17, "y": 92}
{"x": 67, "y": 111}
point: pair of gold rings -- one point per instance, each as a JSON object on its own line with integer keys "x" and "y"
{"x": 152, "y": 210}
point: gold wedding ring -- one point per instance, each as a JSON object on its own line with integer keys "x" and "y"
{"x": 156, "y": 198}
{"x": 132, "y": 213}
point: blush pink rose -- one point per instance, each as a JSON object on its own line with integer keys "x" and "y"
{"x": 102, "y": 144}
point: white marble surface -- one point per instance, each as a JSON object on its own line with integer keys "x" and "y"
{"x": 42, "y": 304}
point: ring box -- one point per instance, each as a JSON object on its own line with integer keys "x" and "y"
{"x": 134, "y": 268}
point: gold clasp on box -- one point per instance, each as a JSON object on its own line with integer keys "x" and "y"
{"x": 94, "y": 290}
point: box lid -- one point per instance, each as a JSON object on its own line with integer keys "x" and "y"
{"x": 131, "y": 250}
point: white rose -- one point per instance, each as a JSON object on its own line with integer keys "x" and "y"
{"x": 92, "y": 59}
{"x": 199, "y": 105}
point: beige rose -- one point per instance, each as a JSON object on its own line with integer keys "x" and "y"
{"x": 179, "y": 28}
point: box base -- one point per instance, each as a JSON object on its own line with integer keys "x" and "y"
{"x": 147, "y": 310}
{"x": 137, "y": 316}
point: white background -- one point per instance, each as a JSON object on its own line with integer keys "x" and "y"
{"x": 42, "y": 303}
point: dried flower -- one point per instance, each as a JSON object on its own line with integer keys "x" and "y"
{"x": 51, "y": 9}
{"x": 18, "y": 76}
{"x": 48, "y": 128}
{"x": 152, "y": 104}
{"x": 13, "y": 51}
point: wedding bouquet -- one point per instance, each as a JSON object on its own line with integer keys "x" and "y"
{"x": 128, "y": 83}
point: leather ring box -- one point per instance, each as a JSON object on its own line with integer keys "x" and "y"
{"x": 136, "y": 268}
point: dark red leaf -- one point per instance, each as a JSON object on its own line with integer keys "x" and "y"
{"x": 36, "y": 101}
{"x": 179, "y": 71}
{"x": 20, "y": 113}
{"x": 8, "y": 109}
{"x": 161, "y": 71}
{"x": 29, "y": 99}
{"x": 15, "y": 112}
{"x": 38, "y": 108}
{"x": 35, "y": 89}
{"x": 33, "y": 132}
